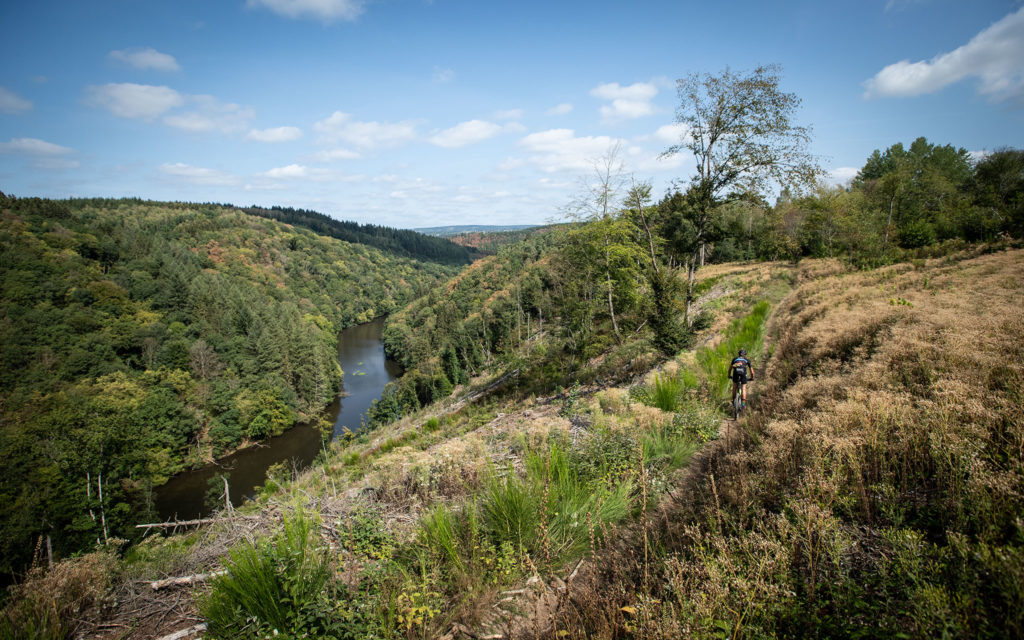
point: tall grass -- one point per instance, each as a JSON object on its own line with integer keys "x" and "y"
{"x": 667, "y": 391}
{"x": 668, "y": 447}
{"x": 744, "y": 333}
{"x": 277, "y": 584}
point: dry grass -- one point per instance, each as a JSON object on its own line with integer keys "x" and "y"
{"x": 878, "y": 493}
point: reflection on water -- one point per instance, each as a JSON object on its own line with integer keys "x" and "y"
{"x": 361, "y": 355}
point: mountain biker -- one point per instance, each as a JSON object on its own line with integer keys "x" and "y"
{"x": 741, "y": 372}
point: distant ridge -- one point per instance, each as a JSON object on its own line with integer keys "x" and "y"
{"x": 454, "y": 230}
{"x": 404, "y": 242}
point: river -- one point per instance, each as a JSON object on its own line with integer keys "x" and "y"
{"x": 367, "y": 370}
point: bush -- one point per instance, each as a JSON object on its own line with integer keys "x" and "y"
{"x": 56, "y": 603}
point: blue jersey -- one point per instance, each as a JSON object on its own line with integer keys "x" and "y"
{"x": 740, "y": 368}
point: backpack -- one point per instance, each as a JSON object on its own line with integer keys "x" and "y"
{"x": 739, "y": 367}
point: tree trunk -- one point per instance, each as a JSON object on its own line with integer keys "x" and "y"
{"x": 888, "y": 223}
{"x": 103, "y": 511}
{"x": 608, "y": 277}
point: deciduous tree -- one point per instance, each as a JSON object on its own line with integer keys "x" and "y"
{"x": 740, "y": 129}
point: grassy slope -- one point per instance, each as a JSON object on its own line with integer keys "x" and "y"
{"x": 418, "y": 463}
{"x": 877, "y": 492}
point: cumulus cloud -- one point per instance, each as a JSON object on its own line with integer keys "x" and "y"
{"x": 560, "y": 149}
{"x": 42, "y": 154}
{"x": 365, "y": 135}
{"x": 324, "y": 10}
{"x": 147, "y": 58}
{"x": 842, "y": 175}
{"x": 995, "y": 56}
{"x": 466, "y": 133}
{"x": 330, "y": 155}
{"x": 198, "y": 175}
{"x": 672, "y": 133}
{"x": 33, "y": 147}
{"x": 292, "y": 171}
{"x": 277, "y": 134}
{"x": 208, "y": 114}
{"x": 12, "y": 104}
{"x": 633, "y": 101}
{"x": 559, "y": 110}
{"x": 130, "y": 100}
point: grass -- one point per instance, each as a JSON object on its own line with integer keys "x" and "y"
{"x": 878, "y": 494}
{"x": 744, "y": 333}
{"x": 278, "y": 583}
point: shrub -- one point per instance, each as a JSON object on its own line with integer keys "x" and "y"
{"x": 56, "y": 603}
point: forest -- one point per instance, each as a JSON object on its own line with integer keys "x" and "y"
{"x": 402, "y": 242}
{"x": 142, "y": 338}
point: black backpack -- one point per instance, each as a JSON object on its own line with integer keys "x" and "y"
{"x": 739, "y": 367}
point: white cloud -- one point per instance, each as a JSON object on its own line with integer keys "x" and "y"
{"x": 560, "y": 150}
{"x": 633, "y": 101}
{"x": 325, "y": 10}
{"x": 995, "y": 56}
{"x": 129, "y": 100}
{"x": 11, "y": 103}
{"x": 842, "y": 175}
{"x": 330, "y": 155}
{"x": 277, "y": 134}
{"x": 509, "y": 114}
{"x": 292, "y": 171}
{"x": 672, "y": 133}
{"x": 443, "y": 76}
{"x": 559, "y": 110}
{"x": 209, "y": 114}
{"x": 33, "y": 147}
{"x": 365, "y": 135}
{"x": 466, "y": 133}
{"x": 198, "y": 175}
{"x": 147, "y": 58}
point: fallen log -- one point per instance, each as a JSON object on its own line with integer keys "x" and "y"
{"x": 192, "y": 579}
{"x": 176, "y": 523}
{"x": 184, "y": 633}
{"x": 170, "y": 524}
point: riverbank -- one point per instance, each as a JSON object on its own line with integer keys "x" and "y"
{"x": 198, "y": 492}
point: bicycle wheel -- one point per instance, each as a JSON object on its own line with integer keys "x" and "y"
{"x": 737, "y": 404}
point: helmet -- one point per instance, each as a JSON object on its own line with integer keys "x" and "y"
{"x": 743, "y": 352}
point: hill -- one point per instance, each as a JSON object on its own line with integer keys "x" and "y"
{"x": 457, "y": 229}
{"x": 490, "y": 241}
{"x": 872, "y": 492}
{"x": 143, "y": 337}
{"x": 417, "y": 244}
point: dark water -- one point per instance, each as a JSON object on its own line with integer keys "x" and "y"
{"x": 361, "y": 355}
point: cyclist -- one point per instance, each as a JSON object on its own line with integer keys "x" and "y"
{"x": 741, "y": 372}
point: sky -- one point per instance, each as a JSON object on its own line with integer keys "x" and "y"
{"x": 415, "y": 113}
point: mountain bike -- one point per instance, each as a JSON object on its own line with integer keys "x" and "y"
{"x": 737, "y": 403}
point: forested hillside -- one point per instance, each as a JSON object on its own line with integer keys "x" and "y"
{"x": 488, "y": 241}
{"x": 402, "y": 242}
{"x": 140, "y": 338}
{"x": 547, "y": 306}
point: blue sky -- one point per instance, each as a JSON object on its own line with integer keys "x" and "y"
{"x": 416, "y": 113}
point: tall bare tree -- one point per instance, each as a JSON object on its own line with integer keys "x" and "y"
{"x": 740, "y": 129}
